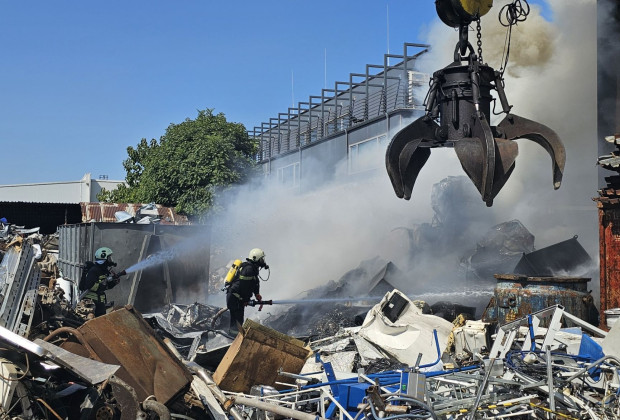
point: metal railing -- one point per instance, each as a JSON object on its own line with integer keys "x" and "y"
{"x": 364, "y": 97}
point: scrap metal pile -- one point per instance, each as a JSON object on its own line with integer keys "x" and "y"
{"x": 531, "y": 368}
{"x": 398, "y": 361}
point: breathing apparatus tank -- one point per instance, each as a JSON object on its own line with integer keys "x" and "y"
{"x": 232, "y": 272}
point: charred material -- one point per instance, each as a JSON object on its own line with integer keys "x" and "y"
{"x": 498, "y": 251}
{"x": 458, "y": 112}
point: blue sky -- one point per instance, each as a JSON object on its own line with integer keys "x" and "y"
{"x": 82, "y": 81}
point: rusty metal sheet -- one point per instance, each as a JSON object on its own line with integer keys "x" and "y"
{"x": 123, "y": 337}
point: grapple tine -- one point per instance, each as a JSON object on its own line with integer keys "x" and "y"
{"x": 514, "y": 126}
{"x": 470, "y": 152}
{"x": 411, "y": 161}
{"x": 505, "y": 155}
{"x": 477, "y": 157}
{"x": 416, "y": 132}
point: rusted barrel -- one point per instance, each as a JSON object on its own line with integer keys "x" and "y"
{"x": 516, "y": 296}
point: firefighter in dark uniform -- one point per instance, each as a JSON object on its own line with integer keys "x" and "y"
{"x": 100, "y": 278}
{"x": 244, "y": 284}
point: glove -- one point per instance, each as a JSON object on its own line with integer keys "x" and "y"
{"x": 267, "y": 266}
{"x": 258, "y": 297}
{"x": 117, "y": 276}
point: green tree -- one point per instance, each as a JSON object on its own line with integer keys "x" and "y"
{"x": 188, "y": 164}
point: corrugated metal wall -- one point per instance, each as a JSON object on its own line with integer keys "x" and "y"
{"x": 183, "y": 277}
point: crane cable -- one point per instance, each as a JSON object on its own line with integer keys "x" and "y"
{"x": 509, "y": 16}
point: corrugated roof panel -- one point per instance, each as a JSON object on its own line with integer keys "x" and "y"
{"x": 108, "y": 212}
{"x": 105, "y": 212}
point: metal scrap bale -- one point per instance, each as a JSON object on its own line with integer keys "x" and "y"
{"x": 123, "y": 337}
{"x": 255, "y": 357}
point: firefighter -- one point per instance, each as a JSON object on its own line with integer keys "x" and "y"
{"x": 100, "y": 278}
{"x": 243, "y": 285}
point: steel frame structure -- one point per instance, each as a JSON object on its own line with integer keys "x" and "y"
{"x": 335, "y": 110}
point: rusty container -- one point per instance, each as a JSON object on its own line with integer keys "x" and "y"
{"x": 516, "y": 296}
{"x": 122, "y": 337}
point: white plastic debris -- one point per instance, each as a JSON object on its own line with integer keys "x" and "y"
{"x": 408, "y": 332}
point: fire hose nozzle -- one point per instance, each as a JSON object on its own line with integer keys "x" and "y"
{"x": 254, "y": 302}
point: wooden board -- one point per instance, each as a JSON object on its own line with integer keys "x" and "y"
{"x": 255, "y": 357}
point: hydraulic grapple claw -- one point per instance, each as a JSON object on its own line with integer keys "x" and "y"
{"x": 404, "y": 158}
{"x": 514, "y": 127}
{"x": 459, "y": 98}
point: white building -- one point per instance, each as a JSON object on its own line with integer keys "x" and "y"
{"x": 84, "y": 190}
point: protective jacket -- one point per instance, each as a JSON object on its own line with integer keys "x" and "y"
{"x": 246, "y": 282}
{"x": 97, "y": 283}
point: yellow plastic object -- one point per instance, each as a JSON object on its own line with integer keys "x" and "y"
{"x": 233, "y": 270}
{"x": 476, "y": 7}
{"x": 457, "y": 13}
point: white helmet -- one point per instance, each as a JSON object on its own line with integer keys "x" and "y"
{"x": 256, "y": 255}
{"x": 103, "y": 253}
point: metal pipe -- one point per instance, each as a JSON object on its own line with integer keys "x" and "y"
{"x": 173, "y": 349}
{"x": 79, "y": 337}
{"x": 217, "y": 315}
{"x": 217, "y": 392}
{"x": 438, "y": 353}
{"x": 294, "y": 376}
{"x": 276, "y": 409}
{"x": 390, "y": 379}
{"x": 483, "y": 385}
{"x": 447, "y": 372}
{"x": 550, "y": 379}
{"x": 157, "y": 408}
{"x": 598, "y": 362}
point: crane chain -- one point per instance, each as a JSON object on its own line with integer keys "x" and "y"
{"x": 479, "y": 42}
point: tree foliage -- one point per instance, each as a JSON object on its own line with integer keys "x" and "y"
{"x": 188, "y": 164}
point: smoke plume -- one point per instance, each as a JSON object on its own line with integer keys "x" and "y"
{"x": 313, "y": 237}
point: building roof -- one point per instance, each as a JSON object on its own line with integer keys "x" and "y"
{"x": 105, "y": 212}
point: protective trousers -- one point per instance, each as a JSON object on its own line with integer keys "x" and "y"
{"x": 236, "y": 308}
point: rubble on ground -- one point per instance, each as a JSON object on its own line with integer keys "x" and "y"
{"x": 384, "y": 356}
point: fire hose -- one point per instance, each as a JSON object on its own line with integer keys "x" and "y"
{"x": 261, "y": 303}
{"x": 112, "y": 277}
{"x": 251, "y": 302}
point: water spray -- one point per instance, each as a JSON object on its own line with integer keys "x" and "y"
{"x": 182, "y": 248}
{"x": 349, "y": 300}
{"x": 153, "y": 260}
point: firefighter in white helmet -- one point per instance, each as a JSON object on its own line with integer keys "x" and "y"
{"x": 244, "y": 284}
{"x": 100, "y": 278}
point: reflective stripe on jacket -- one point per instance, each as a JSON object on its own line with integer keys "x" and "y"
{"x": 97, "y": 292}
{"x": 246, "y": 282}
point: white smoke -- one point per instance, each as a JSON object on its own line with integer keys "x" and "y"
{"x": 315, "y": 237}
{"x": 551, "y": 79}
